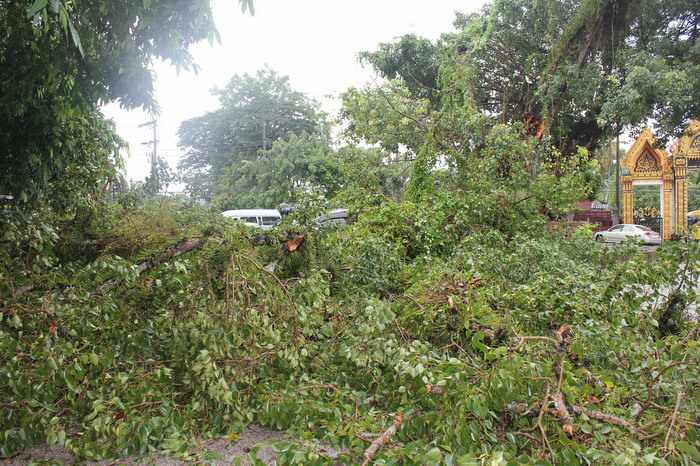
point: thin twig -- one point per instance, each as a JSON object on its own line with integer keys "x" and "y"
{"x": 525, "y": 434}
{"x": 561, "y": 372}
{"x": 267, "y": 272}
{"x": 543, "y": 408}
{"x": 673, "y": 419}
{"x": 522, "y": 339}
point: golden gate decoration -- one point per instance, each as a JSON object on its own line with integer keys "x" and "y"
{"x": 644, "y": 164}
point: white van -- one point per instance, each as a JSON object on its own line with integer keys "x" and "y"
{"x": 259, "y": 218}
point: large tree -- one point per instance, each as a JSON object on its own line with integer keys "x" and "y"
{"x": 576, "y": 71}
{"x": 256, "y": 110}
{"x": 307, "y": 164}
{"x": 297, "y": 163}
{"x": 59, "y": 61}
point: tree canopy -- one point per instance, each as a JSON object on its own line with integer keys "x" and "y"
{"x": 255, "y": 112}
{"x": 61, "y": 60}
{"x": 574, "y": 71}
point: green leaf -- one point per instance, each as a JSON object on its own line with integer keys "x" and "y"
{"x": 63, "y": 19}
{"x": 433, "y": 456}
{"x": 496, "y": 353}
{"x": 688, "y": 449}
{"x": 36, "y": 7}
{"x": 76, "y": 37}
{"x": 52, "y": 363}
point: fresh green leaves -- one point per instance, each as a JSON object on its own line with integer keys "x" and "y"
{"x": 57, "y": 67}
{"x": 75, "y": 36}
{"x": 36, "y": 7}
{"x": 57, "y": 7}
{"x": 448, "y": 303}
{"x": 412, "y": 308}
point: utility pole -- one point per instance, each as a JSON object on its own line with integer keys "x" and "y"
{"x": 154, "y": 154}
{"x": 617, "y": 176}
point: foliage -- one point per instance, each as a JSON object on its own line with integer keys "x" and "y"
{"x": 412, "y": 58}
{"x": 299, "y": 165}
{"x": 457, "y": 148}
{"x": 272, "y": 177}
{"x": 576, "y": 71}
{"x": 255, "y": 112}
{"x": 445, "y": 302}
{"x": 159, "y": 178}
{"x": 369, "y": 174}
{"x": 59, "y": 61}
{"x": 27, "y": 241}
{"x": 385, "y": 317}
{"x": 387, "y": 115}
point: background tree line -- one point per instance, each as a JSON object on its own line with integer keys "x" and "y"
{"x": 571, "y": 75}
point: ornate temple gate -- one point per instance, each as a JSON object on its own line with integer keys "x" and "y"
{"x": 645, "y": 165}
{"x": 686, "y": 156}
{"x": 651, "y": 217}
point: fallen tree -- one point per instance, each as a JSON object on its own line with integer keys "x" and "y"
{"x": 171, "y": 252}
{"x": 175, "y": 250}
{"x": 533, "y": 349}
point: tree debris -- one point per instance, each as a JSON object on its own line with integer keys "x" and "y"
{"x": 563, "y": 335}
{"x": 176, "y": 250}
{"x": 435, "y": 389}
{"x": 679, "y": 398}
{"x": 605, "y": 417}
{"x": 382, "y": 439}
{"x": 293, "y": 242}
{"x": 562, "y": 413}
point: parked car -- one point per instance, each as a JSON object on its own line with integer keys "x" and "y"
{"x": 258, "y": 218}
{"x": 619, "y": 233}
{"x": 286, "y": 209}
{"x": 336, "y": 217}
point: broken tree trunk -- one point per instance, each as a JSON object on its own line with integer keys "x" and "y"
{"x": 562, "y": 413}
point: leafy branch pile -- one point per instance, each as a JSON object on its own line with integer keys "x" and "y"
{"x": 444, "y": 325}
{"x": 496, "y": 350}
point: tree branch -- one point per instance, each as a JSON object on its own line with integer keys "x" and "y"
{"x": 382, "y": 439}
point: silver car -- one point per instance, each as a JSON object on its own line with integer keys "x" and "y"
{"x": 619, "y": 233}
{"x": 336, "y": 217}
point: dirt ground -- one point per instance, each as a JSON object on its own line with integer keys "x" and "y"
{"x": 217, "y": 452}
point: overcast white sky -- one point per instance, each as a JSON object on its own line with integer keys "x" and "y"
{"x": 314, "y": 42}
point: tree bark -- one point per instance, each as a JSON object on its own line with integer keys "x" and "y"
{"x": 382, "y": 439}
